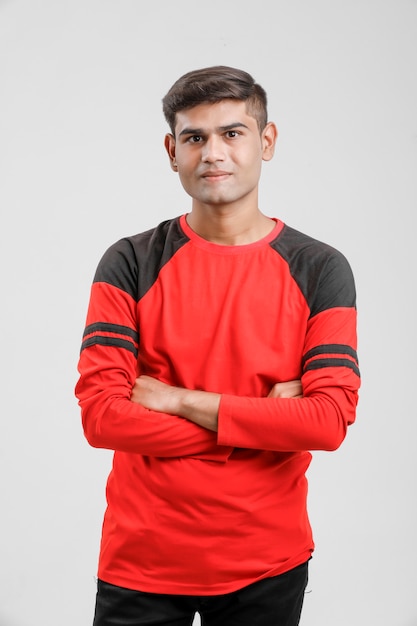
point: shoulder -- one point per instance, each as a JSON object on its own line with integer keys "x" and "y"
{"x": 322, "y": 272}
{"x": 133, "y": 263}
{"x": 294, "y": 245}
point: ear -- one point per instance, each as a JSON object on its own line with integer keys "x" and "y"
{"x": 269, "y": 139}
{"x": 170, "y": 148}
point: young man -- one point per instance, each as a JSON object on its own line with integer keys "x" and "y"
{"x": 219, "y": 350}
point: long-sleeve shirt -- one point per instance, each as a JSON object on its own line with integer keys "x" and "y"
{"x": 191, "y": 511}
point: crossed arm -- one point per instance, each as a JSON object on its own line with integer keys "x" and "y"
{"x": 200, "y": 407}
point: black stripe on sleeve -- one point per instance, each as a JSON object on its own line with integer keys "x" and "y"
{"x": 116, "y": 342}
{"x": 117, "y": 335}
{"x": 330, "y": 348}
{"x": 332, "y": 362}
{"x": 106, "y": 327}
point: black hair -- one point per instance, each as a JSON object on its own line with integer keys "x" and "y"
{"x": 211, "y": 85}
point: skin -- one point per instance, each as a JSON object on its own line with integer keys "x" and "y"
{"x": 218, "y": 151}
{"x": 200, "y": 407}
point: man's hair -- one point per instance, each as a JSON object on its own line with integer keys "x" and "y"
{"x": 211, "y": 85}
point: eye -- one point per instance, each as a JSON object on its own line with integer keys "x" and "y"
{"x": 231, "y": 134}
{"x": 195, "y": 139}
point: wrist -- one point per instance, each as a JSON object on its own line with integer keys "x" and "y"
{"x": 200, "y": 407}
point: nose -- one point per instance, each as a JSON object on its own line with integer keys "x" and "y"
{"x": 213, "y": 150}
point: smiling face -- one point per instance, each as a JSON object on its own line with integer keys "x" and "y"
{"x": 218, "y": 152}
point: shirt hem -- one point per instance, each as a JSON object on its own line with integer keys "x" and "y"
{"x": 167, "y": 587}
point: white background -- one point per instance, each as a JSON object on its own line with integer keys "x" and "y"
{"x": 82, "y": 164}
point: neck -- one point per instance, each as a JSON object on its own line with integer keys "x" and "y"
{"x": 229, "y": 227}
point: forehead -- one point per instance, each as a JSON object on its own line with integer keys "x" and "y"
{"x": 212, "y": 116}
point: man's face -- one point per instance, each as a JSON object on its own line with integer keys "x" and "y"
{"x": 218, "y": 152}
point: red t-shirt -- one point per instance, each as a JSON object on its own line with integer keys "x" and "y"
{"x": 191, "y": 511}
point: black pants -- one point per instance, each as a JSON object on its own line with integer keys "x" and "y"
{"x": 274, "y": 601}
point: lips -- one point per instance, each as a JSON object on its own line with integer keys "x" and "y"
{"x": 213, "y": 174}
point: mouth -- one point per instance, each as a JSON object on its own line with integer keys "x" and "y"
{"x": 215, "y": 175}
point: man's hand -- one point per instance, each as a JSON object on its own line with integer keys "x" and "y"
{"x": 157, "y": 396}
{"x": 200, "y": 407}
{"x": 289, "y": 389}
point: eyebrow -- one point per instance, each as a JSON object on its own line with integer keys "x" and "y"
{"x": 223, "y": 129}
